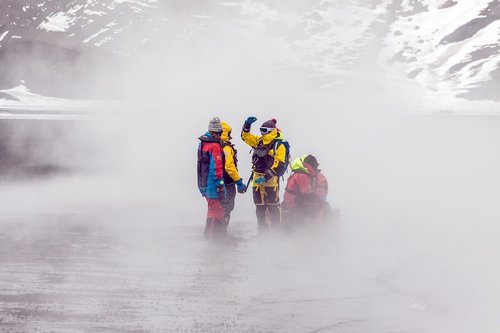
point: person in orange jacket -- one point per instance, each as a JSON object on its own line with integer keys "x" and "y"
{"x": 305, "y": 192}
{"x": 232, "y": 179}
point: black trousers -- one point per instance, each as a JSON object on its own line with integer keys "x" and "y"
{"x": 266, "y": 199}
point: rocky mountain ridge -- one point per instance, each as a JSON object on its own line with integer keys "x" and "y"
{"x": 444, "y": 45}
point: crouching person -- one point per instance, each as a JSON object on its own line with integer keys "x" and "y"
{"x": 305, "y": 194}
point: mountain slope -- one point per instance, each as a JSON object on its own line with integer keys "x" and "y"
{"x": 444, "y": 45}
{"x": 448, "y": 45}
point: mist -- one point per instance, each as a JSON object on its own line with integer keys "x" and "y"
{"x": 119, "y": 233}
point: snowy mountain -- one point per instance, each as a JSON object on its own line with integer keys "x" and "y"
{"x": 451, "y": 45}
{"x": 444, "y": 45}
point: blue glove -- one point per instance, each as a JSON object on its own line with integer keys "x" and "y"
{"x": 260, "y": 180}
{"x": 251, "y": 120}
{"x": 241, "y": 187}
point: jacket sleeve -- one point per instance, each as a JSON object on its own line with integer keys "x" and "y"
{"x": 216, "y": 161}
{"x": 292, "y": 185}
{"x": 298, "y": 189}
{"x": 250, "y": 139}
{"x": 304, "y": 185}
{"x": 229, "y": 165}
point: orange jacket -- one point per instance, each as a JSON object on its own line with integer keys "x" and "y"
{"x": 305, "y": 186}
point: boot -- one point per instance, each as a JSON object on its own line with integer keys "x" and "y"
{"x": 225, "y": 224}
{"x": 210, "y": 227}
{"x": 274, "y": 213}
{"x": 260, "y": 211}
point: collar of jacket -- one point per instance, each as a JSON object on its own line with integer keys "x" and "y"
{"x": 268, "y": 137}
{"x": 298, "y": 165}
{"x": 207, "y": 137}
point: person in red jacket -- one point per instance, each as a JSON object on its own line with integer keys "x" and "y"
{"x": 305, "y": 193}
{"x": 211, "y": 177}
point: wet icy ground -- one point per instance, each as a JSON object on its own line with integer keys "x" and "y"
{"x": 72, "y": 273}
{"x": 100, "y": 265}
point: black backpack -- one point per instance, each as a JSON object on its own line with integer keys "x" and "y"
{"x": 283, "y": 168}
{"x": 261, "y": 163}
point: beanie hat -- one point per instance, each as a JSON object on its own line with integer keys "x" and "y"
{"x": 270, "y": 123}
{"x": 312, "y": 161}
{"x": 214, "y": 125}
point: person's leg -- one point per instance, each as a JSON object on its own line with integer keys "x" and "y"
{"x": 260, "y": 211}
{"x": 215, "y": 217}
{"x": 260, "y": 207}
{"x": 274, "y": 215}
{"x": 228, "y": 204}
{"x": 272, "y": 200}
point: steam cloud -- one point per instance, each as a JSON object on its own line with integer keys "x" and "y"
{"x": 415, "y": 248}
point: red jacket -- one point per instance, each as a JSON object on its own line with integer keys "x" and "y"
{"x": 305, "y": 188}
{"x": 210, "y": 166}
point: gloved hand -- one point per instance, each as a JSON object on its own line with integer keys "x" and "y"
{"x": 241, "y": 187}
{"x": 248, "y": 123}
{"x": 260, "y": 180}
{"x": 251, "y": 120}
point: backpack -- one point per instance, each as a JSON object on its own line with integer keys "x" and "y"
{"x": 260, "y": 153}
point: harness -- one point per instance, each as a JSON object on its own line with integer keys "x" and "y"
{"x": 261, "y": 159}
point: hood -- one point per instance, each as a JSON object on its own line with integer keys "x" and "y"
{"x": 298, "y": 164}
{"x": 225, "y": 136}
{"x": 207, "y": 137}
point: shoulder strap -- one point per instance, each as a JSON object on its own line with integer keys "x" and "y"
{"x": 276, "y": 143}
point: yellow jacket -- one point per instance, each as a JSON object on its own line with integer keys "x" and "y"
{"x": 231, "y": 173}
{"x": 253, "y": 141}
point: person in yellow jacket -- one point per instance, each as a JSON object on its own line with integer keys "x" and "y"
{"x": 268, "y": 159}
{"x": 232, "y": 179}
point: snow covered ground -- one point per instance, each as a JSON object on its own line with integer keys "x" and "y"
{"x": 20, "y": 103}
